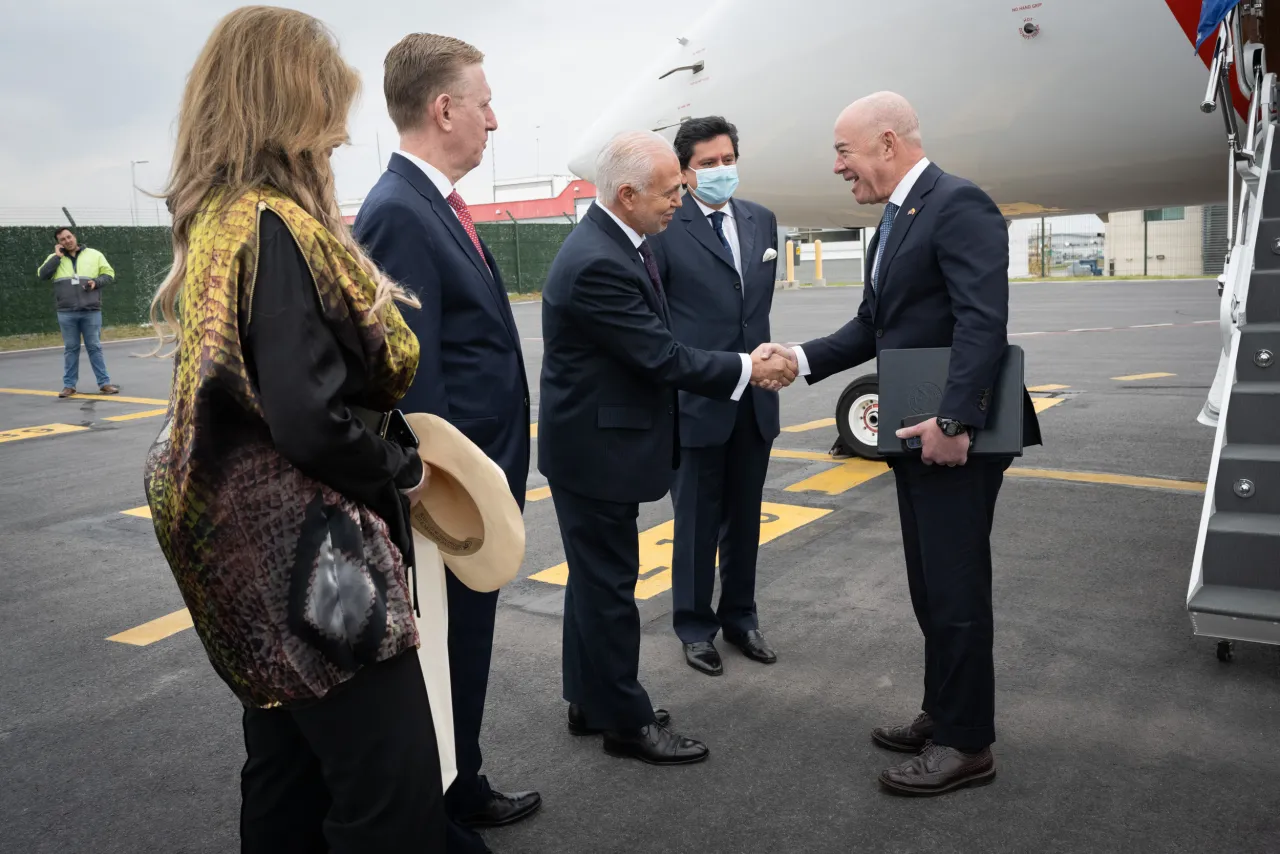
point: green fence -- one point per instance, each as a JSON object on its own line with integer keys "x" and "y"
{"x": 141, "y": 257}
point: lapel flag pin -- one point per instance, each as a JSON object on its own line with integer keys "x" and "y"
{"x": 911, "y": 212}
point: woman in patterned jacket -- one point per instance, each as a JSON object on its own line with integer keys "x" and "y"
{"x": 282, "y": 515}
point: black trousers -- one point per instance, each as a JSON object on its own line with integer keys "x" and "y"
{"x": 471, "y": 619}
{"x": 947, "y": 514}
{"x": 357, "y": 771}
{"x": 716, "y": 496}
{"x": 601, "y": 648}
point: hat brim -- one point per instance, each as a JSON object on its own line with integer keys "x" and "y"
{"x": 468, "y": 510}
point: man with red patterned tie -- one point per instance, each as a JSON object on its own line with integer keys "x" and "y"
{"x": 416, "y": 226}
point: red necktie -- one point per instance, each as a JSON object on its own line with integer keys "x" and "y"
{"x": 464, "y": 216}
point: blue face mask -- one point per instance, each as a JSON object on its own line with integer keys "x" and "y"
{"x": 716, "y": 185}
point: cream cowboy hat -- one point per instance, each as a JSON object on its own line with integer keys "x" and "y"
{"x": 468, "y": 510}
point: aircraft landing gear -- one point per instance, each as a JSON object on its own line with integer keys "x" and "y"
{"x": 858, "y": 419}
{"x": 1224, "y": 650}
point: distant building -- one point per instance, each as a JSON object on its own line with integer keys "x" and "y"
{"x": 551, "y": 198}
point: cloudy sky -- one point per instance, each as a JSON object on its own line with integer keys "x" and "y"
{"x": 79, "y": 106}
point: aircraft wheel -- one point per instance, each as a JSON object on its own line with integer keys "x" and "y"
{"x": 858, "y": 416}
{"x": 1224, "y": 650}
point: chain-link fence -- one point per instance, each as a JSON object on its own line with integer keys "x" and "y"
{"x": 141, "y": 257}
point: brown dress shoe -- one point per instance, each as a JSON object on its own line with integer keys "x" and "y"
{"x": 939, "y": 769}
{"x": 910, "y": 738}
{"x": 110, "y": 389}
{"x": 67, "y": 392}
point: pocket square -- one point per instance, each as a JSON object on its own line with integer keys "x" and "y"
{"x": 770, "y": 254}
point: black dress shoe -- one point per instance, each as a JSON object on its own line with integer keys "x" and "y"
{"x": 908, "y": 738}
{"x": 503, "y": 809}
{"x": 939, "y": 769}
{"x": 578, "y": 724}
{"x": 704, "y": 656}
{"x": 654, "y": 744}
{"x": 754, "y": 647}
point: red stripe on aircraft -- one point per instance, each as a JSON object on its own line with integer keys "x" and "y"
{"x": 1188, "y": 14}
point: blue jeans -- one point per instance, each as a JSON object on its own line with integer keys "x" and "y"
{"x": 75, "y": 324}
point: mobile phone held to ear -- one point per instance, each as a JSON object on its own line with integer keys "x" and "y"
{"x": 915, "y": 443}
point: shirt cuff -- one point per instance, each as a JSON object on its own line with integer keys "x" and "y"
{"x": 801, "y": 360}
{"x": 419, "y": 467}
{"x": 744, "y": 379}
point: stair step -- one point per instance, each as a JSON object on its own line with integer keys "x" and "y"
{"x": 1254, "y": 338}
{"x": 1243, "y": 550}
{"x": 1254, "y": 415}
{"x": 1241, "y": 602}
{"x": 1252, "y": 453}
{"x": 1265, "y": 255}
{"x": 1264, "y": 292}
{"x": 1257, "y": 464}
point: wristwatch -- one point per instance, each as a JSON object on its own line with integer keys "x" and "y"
{"x": 952, "y": 427}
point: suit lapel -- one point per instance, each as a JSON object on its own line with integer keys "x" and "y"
{"x": 427, "y": 189}
{"x": 701, "y": 228}
{"x": 606, "y": 224}
{"x": 903, "y": 220}
{"x": 746, "y": 238}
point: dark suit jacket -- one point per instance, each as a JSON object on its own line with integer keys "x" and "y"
{"x": 607, "y": 423}
{"x": 944, "y": 282}
{"x": 471, "y": 369}
{"x": 711, "y": 310}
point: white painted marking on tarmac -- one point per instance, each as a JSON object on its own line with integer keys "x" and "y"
{"x": 1094, "y": 329}
{"x": 1150, "y": 325}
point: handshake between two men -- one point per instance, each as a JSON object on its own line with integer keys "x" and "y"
{"x": 773, "y": 367}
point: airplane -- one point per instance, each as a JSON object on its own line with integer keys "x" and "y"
{"x": 1054, "y": 107}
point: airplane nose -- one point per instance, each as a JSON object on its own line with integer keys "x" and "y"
{"x": 583, "y": 161}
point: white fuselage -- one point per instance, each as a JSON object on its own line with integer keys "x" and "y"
{"x": 1098, "y": 111}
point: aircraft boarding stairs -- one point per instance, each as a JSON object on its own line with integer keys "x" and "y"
{"x": 1234, "y": 592}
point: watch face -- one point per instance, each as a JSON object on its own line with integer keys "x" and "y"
{"x": 952, "y": 428}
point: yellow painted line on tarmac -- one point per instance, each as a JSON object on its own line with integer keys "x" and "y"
{"x": 841, "y": 478}
{"x": 156, "y": 630}
{"x": 113, "y": 398}
{"x": 784, "y": 454}
{"x": 1133, "y": 377}
{"x": 1048, "y": 387}
{"x": 1109, "y": 479}
{"x": 538, "y": 494}
{"x": 143, "y": 512}
{"x": 38, "y": 432}
{"x": 133, "y": 416}
{"x": 810, "y": 425}
{"x": 656, "y": 544}
{"x": 1040, "y": 404}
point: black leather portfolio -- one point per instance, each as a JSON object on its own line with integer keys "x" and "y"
{"x": 911, "y": 386}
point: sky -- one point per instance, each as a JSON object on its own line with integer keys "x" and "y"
{"x": 77, "y": 110}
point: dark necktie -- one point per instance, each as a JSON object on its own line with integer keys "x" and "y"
{"x": 651, "y": 267}
{"x": 886, "y": 225}
{"x": 717, "y": 222}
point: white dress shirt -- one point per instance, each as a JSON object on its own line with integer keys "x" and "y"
{"x": 435, "y": 175}
{"x": 898, "y": 198}
{"x": 636, "y": 240}
{"x": 730, "y": 226}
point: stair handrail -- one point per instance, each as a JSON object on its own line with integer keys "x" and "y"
{"x": 1232, "y": 312}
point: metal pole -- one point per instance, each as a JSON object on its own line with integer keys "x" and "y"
{"x": 133, "y": 192}
{"x": 1042, "y": 247}
{"x": 1144, "y": 243}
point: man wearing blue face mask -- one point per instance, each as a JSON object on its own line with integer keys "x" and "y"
{"x": 718, "y": 263}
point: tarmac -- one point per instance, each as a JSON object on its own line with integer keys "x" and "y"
{"x": 1118, "y": 730}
